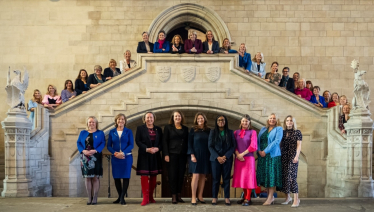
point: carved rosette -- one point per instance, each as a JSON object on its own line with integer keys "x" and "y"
{"x": 163, "y": 73}
{"x": 213, "y": 73}
{"x": 188, "y": 73}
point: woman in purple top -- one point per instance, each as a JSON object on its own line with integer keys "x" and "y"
{"x": 68, "y": 92}
{"x": 245, "y": 167}
{"x": 302, "y": 91}
{"x": 193, "y": 45}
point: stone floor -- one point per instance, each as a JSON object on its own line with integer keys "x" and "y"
{"x": 56, "y": 204}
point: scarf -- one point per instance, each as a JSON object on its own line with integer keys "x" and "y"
{"x": 161, "y": 42}
{"x": 285, "y": 80}
{"x": 242, "y": 133}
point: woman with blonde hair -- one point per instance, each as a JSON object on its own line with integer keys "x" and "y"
{"x": 193, "y": 45}
{"x": 126, "y": 64}
{"x": 290, "y": 150}
{"x": 269, "y": 164}
{"x": 112, "y": 70}
{"x": 177, "y": 45}
{"x": 244, "y": 58}
{"x": 210, "y": 46}
{"x": 51, "y": 99}
{"x": 226, "y": 47}
{"x": 258, "y": 65}
{"x": 33, "y": 104}
{"x": 344, "y": 117}
{"x": 302, "y": 91}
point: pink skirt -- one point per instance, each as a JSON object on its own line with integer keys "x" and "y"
{"x": 245, "y": 173}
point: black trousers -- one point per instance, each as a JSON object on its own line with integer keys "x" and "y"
{"x": 223, "y": 170}
{"x": 177, "y": 168}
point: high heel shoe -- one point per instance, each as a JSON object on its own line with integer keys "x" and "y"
{"x": 295, "y": 206}
{"x": 287, "y": 201}
{"x": 202, "y": 202}
{"x": 271, "y": 203}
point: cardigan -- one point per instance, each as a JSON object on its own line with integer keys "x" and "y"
{"x": 47, "y": 96}
{"x": 109, "y": 73}
{"x": 79, "y": 86}
{"x": 305, "y": 93}
{"x": 123, "y": 65}
{"x": 215, "y": 147}
{"x": 92, "y": 80}
{"x": 142, "y": 49}
{"x": 274, "y": 139}
{"x": 290, "y": 85}
{"x": 98, "y": 140}
{"x": 180, "y": 49}
{"x": 215, "y": 47}
{"x": 254, "y": 68}
{"x": 165, "y": 46}
{"x": 66, "y": 95}
{"x": 313, "y": 100}
{"x": 188, "y": 45}
{"x": 245, "y": 61}
{"x": 127, "y": 141}
{"x": 173, "y": 142}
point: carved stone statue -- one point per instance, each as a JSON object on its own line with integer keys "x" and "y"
{"x": 16, "y": 89}
{"x": 361, "y": 89}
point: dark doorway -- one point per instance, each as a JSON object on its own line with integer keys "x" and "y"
{"x": 179, "y": 31}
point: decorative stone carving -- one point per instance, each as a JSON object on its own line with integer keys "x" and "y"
{"x": 163, "y": 73}
{"x": 188, "y": 73}
{"x": 16, "y": 89}
{"x": 213, "y": 73}
{"x": 361, "y": 89}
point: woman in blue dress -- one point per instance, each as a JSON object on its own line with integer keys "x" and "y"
{"x": 33, "y": 104}
{"x": 244, "y": 58}
{"x": 120, "y": 144}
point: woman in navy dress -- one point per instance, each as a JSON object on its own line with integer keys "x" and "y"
{"x": 120, "y": 144}
{"x": 90, "y": 143}
{"x": 199, "y": 164}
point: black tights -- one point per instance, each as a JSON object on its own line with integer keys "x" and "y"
{"x": 92, "y": 186}
{"x": 121, "y": 188}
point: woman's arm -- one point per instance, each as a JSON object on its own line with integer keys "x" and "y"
{"x": 165, "y": 141}
{"x": 138, "y": 140}
{"x": 230, "y": 152}
{"x": 191, "y": 142}
{"x": 79, "y": 143}
{"x": 253, "y": 146}
{"x": 109, "y": 144}
{"x": 276, "y": 141}
{"x": 212, "y": 150}
{"x": 130, "y": 145}
{"x": 101, "y": 141}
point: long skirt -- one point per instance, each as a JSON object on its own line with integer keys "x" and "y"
{"x": 244, "y": 173}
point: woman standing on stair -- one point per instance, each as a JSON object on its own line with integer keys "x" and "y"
{"x": 120, "y": 144}
{"x": 90, "y": 143}
{"x": 149, "y": 140}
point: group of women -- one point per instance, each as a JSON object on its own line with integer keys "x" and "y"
{"x": 208, "y": 151}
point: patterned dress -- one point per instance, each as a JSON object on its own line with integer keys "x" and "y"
{"x": 288, "y": 150}
{"x": 269, "y": 170}
{"x": 91, "y": 166}
{"x": 273, "y": 78}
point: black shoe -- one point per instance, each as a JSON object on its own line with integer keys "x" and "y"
{"x": 88, "y": 203}
{"x": 123, "y": 202}
{"x": 193, "y": 203}
{"x": 94, "y": 203}
{"x": 174, "y": 199}
{"x": 240, "y": 201}
{"x": 179, "y": 199}
{"x": 214, "y": 203}
{"x": 202, "y": 202}
{"x": 227, "y": 203}
{"x": 117, "y": 201}
{"x": 122, "y": 199}
{"x": 174, "y": 202}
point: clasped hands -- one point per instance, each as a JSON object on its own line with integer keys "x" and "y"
{"x": 262, "y": 153}
{"x": 89, "y": 152}
{"x": 240, "y": 156}
{"x": 119, "y": 155}
{"x": 221, "y": 160}
{"x": 152, "y": 150}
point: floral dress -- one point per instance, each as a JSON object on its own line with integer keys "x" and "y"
{"x": 91, "y": 166}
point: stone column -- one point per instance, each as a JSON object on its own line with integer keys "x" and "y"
{"x": 17, "y": 129}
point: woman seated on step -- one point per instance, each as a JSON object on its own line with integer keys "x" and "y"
{"x": 96, "y": 78}
{"x": 162, "y": 45}
{"x": 226, "y": 47}
{"x": 127, "y": 63}
{"x": 68, "y": 92}
{"x": 193, "y": 45}
{"x": 112, "y": 70}
{"x": 51, "y": 100}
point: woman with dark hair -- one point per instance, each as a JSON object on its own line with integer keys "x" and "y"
{"x": 177, "y": 45}
{"x": 334, "y": 101}
{"x": 112, "y": 70}
{"x": 120, "y": 144}
{"x": 175, "y": 146}
{"x": 199, "y": 164}
{"x": 81, "y": 85}
{"x": 245, "y": 167}
{"x": 68, "y": 92}
{"x": 273, "y": 77}
{"x": 309, "y": 85}
{"x": 33, "y": 104}
{"x": 327, "y": 95}
{"x": 316, "y": 99}
{"x": 162, "y": 45}
{"x": 149, "y": 140}
{"x": 210, "y": 46}
{"x": 193, "y": 45}
{"x": 286, "y": 81}
{"x": 221, "y": 146}
{"x": 290, "y": 149}
{"x": 226, "y": 47}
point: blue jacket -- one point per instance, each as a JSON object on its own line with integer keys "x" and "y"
{"x": 165, "y": 46}
{"x": 254, "y": 69}
{"x": 127, "y": 141}
{"x": 215, "y": 47}
{"x": 98, "y": 138}
{"x": 321, "y": 100}
{"x": 245, "y": 61}
{"x": 274, "y": 139}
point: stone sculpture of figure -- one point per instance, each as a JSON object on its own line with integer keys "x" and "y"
{"x": 361, "y": 89}
{"x": 16, "y": 89}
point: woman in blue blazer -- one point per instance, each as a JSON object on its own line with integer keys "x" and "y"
{"x": 162, "y": 45}
{"x": 269, "y": 164}
{"x": 244, "y": 58}
{"x": 258, "y": 65}
{"x": 210, "y": 46}
{"x": 316, "y": 99}
{"x": 90, "y": 143}
{"x": 120, "y": 144}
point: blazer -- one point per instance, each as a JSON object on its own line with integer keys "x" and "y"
{"x": 313, "y": 100}
{"x": 180, "y": 49}
{"x": 215, "y": 47}
{"x": 143, "y": 140}
{"x": 79, "y": 86}
{"x": 254, "y": 69}
{"x": 188, "y": 45}
{"x": 274, "y": 139}
{"x": 142, "y": 49}
{"x": 166, "y": 46}
{"x": 213, "y": 148}
{"x": 173, "y": 142}
{"x": 109, "y": 73}
{"x": 245, "y": 61}
{"x": 98, "y": 138}
{"x": 127, "y": 141}
{"x": 92, "y": 80}
{"x": 290, "y": 86}
{"x": 123, "y": 65}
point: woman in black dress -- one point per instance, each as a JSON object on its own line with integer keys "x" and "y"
{"x": 290, "y": 150}
{"x": 199, "y": 164}
{"x": 175, "y": 147}
{"x": 81, "y": 85}
{"x": 149, "y": 140}
{"x": 177, "y": 45}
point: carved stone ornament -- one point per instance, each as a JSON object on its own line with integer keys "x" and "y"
{"x": 213, "y": 73}
{"x": 188, "y": 73}
{"x": 163, "y": 73}
{"x": 361, "y": 89}
{"x": 16, "y": 88}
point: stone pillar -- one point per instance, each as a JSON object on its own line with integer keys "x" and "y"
{"x": 17, "y": 129}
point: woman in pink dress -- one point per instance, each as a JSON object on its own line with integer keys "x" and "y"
{"x": 245, "y": 168}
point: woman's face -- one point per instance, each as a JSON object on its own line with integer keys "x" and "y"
{"x": 346, "y": 109}
{"x": 245, "y": 123}
{"x": 274, "y": 68}
{"x": 221, "y": 122}
{"x": 209, "y": 35}
{"x": 177, "y": 40}
{"x": 335, "y": 97}
{"x": 36, "y": 94}
{"x": 285, "y": 72}
{"x": 69, "y": 85}
{"x": 242, "y": 48}
{"x": 112, "y": 64}
{"x": 295, "y": 77}
{"x": 193, "y": 37}
{"x": 145, "y": 37}
{"x": 91, "y": 124}
{"x": 98, "y": 71}
{"x": 200, "y": 120}
{"x": 289, "y": 122}
{"x": 308, "y": 85}
{"x": 127, "y": 55}
{"x": 121, "y": 121}
{"x": 161, "y": 36}
{"x": 177, "y": 118}
{"x": 83, "y": 74}
{"x": 258, "y": 57}
{"x": 51, "y": 90}
{"x": 301, "y": 84}
{"x": 272, "y": 120}
{"x": 343, "y": 100}
{"x": 149, "y": 119}
{"x": 316, "y": 91}
{"x": 226, "y": 43}
{"x": 326, "y": 95}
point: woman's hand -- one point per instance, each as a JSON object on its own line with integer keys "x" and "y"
{"x": 221, "y": 160}
{"x": 84, "y": 92}
{"x": 240, "y": 157}
{"x": 119, "y": 155}
{"x": 259, "y": 74}
{"x": 267, "y": 80}
{"x": 193, "y": 158}
{"x": 262, "y": 153}
{"x": 299, "y": 95}
{"x": 167, "y": 159}
{"x": 226, "y": 52}
{"x": 295, "y": 160}
{"x": 108, "y": 78}
{"x": 342, "y": 132}
{"x": 155, "y": 149}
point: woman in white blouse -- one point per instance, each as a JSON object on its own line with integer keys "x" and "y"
{"x": 127, "y": 63}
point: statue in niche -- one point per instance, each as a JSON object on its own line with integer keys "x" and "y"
{"x": 16, "y": 88}
{"x": 361, "y": 89}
